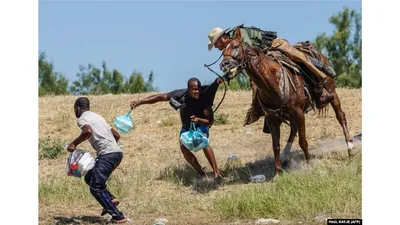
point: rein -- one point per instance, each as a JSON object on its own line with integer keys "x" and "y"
{"x": 223, "y": 97}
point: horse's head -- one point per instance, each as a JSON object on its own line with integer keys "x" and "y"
{"x": 234, "y": 55}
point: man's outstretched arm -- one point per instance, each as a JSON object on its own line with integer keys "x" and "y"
{"x": 150, "y": 100}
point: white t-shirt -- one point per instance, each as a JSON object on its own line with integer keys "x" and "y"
{"x": 102, "y": 139}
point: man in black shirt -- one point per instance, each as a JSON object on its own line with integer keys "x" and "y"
{"x": 195, "y": 104}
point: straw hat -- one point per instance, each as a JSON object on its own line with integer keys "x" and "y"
{"x": 213, "y": 36}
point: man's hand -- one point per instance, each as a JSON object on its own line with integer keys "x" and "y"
{"x": 219, "y": 81}
{"x": 135, "y": 104}
{"x": 71, "y": 147}
{"x": 194, "y": 119}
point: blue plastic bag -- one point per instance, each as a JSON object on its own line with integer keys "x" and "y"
{"x": 124, "y": 123}
{"x": 194, "y": 140}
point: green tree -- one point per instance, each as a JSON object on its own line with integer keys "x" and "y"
{"x": 149, "y": 84}
{"x": 135, "y": 83}
{"x": 89, "y": 80}
{"x": 50, "y": 82}
{"x": 344, "y": 46}
{"x": 107, "y": 79}
{"x": 92, "y": 80}
{"x": 117, "y": 82}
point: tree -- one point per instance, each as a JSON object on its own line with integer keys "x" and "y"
{"x": 343, "y": 47}
{"x": 117, "y": 82}
{"x": 50, "y": 82}
{"x": 107, "y": 79}
{"x": 92, "y": 80}
{"x": 135, "y": 83}
{"x": 149, "y": 84}
{"x": 89, "y": 81}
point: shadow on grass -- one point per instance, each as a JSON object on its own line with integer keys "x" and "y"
{"x": 266, "y": 166}
{"x": 233, "y": 172}
{"x": 81, "y": 219}
{"x": 184, "y": 174}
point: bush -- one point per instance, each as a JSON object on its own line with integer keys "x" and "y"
{"x": 50, "y": 148}
{"x": 221, "y": 118}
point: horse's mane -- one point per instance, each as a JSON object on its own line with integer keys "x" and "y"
{"x": 269, "y": 63}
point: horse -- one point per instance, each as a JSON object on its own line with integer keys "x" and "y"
{"x": 280, "y": 94}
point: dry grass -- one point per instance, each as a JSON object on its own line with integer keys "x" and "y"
{"x": 153, "y": 179}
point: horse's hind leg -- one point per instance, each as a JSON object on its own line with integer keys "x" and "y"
{"x": 274, "y": 124}
{"x": 341, "y": 117}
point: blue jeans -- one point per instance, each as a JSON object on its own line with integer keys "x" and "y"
{"x": 203, "y": 128}
{"x": 97, "y": 177}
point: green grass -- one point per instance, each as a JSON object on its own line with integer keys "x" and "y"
{"x": 333, "y": 189}
{"x": 71, "y": 189}
{"x": 221, "y": 118}
{"x": 169, "y": 121}
{"x": 50, "y": 148}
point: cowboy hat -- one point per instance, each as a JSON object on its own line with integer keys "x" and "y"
{"x": 214, "y": 35}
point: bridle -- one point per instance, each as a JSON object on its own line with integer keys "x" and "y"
{"x": 245, "y": 52}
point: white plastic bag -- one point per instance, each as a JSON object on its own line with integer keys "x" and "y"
{"x": 79, "y": 163}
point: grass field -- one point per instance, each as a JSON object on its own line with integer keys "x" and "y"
{"x": 154, "y": 181}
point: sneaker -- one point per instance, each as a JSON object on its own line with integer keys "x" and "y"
{"x": 116, "y": 203}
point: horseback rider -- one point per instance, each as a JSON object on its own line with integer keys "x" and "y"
{"x": 256, "y": 37}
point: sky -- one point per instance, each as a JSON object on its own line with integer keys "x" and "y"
{"x": 166, "y": 37}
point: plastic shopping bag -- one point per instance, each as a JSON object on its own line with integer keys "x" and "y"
{"x": 124, "y": 123}
{"x": 194, "y": 140}
{"x": 79, "y": 163}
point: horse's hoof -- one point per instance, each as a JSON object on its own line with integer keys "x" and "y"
{"x": 279, "y": 171}
{"x": 350, "y": 146}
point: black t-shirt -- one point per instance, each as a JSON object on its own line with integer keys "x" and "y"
{"x": 194, "y": 106}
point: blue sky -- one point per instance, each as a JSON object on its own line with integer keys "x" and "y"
{"x": 168, "y": 37}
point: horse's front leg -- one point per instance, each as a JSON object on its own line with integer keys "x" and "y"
{"x": 288, "y": 146}
{"x": 274, "y": 124}
{"x": 301, "y": 125}
{"x": 341, "y": 117}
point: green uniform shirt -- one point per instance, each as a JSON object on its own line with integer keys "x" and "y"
{"x": 253, "y": 37}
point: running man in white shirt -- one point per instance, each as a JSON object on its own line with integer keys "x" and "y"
{"x": 103, "y": 139}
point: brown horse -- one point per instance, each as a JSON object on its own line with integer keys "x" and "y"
{"x": 280, "y": 94}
